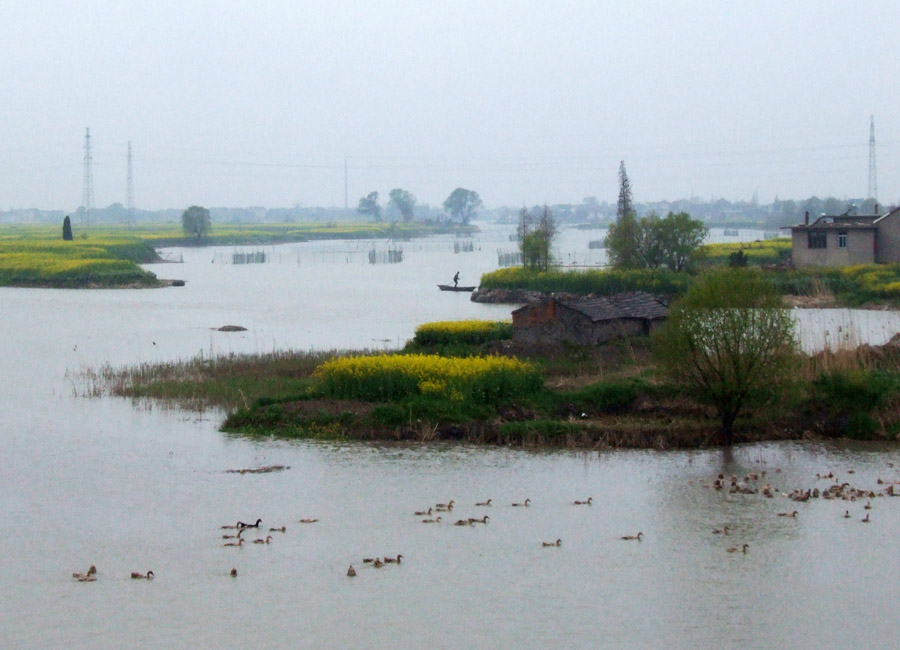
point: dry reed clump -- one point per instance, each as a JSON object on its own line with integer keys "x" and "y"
{"x": 392, "y": 376}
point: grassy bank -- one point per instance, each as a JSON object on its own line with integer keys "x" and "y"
{"x": 30, "y": 258}
{"x": 492, "y": 393}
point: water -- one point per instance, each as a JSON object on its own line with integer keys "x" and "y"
{"x": 128, "y": 489}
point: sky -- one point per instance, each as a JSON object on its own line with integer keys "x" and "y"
{"x": 530, "y": 102}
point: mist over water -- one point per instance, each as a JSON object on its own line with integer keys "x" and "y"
{"x": 101, "y": 481}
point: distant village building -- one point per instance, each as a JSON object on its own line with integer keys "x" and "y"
{"x": 588, "y": 321}
{"x": 847, "y": 239}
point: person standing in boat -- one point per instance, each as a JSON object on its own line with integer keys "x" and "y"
{"x": 456, "y": 279}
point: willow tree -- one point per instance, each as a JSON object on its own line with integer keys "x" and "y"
{"x": 729, "y": 342}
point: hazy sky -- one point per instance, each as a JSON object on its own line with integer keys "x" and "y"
{"x": 240, "y": 103}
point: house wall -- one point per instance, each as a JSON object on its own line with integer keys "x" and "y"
{"x": 553, "y": 324}
{"x": 860, "y": 248}
{"x": 889, "y": 238}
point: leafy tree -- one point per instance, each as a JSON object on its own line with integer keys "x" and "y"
{"x": 462, "y": 204}
{"x": 679, "y": 238}
{"x": 67, "y": 229}
{"x": 195, "y": 221}
{"x": 729, "y": 343}
{"x": 405, "y": 203}
{"x": 369, "y": 207}
{"x": 536, "y": 244}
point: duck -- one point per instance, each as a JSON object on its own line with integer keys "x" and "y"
{"x": 227, "y": 527}
{"x": 393, "y": 560}
{"x": 241, "y": 524}
{"x": 237, "y": 543}
{"x": 378, "y": 563}
{"x": 308, "y": 521}
{"x": 436, "y": 520}
{"x": 558, "y": 542}
{"x": 233, "y": 572}
{"x": 444, "y": 507}
{"x": 633, "y": 537}
{"x": 464, "y": 522}
{"x": 238, "y": 536}
{"x": 351, "y": 572}
{"x": 865, "y": 519}
{"x": 368, "y": 560}
{"x": 87, "y": 576}
{"x": 484, "y": 503}
{"x": 142, "y": 576}
{"x": 735, "y": 549}
{"x": 721, "y": 531}
{"x": 868, "y": 505}
{"x": 589, "y": 501}
{"x": 283, "y": 529}
{"x": 423, "y": 513}
{"x": 267, "y": 540}
{"x": 525, "y": 503}
{"x": 846, "y": 514}
{"x": 483, "y": 520}
{"x": 792, "y": 515}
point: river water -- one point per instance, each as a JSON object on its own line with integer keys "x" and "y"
{"x": 100, "y": 481}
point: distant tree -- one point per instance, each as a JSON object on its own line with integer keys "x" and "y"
{"x": 67, "y": 229}
{"x": 405, "y": 203}
{"x": 622, "y": 244}
{"x": 729, "y": 342}
{"x": 536, "y": 242}
{"x": 652, "y": 242}
{"x": 462, "y": 204}
{"x": 195, "y": 221}
{"x": 369, "y": 207}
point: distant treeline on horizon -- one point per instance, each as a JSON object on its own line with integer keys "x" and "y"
{"x": 720, "y": 211}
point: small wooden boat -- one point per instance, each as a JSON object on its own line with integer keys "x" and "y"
{"x": 450, "y": 287}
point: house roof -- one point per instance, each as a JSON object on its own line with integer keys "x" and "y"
{"x": 635, "y": 304}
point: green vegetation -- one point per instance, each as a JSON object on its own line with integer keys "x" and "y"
{"x": 769, "y": 251}
{"x": 195, "y": 221}
{"x": 47, "y": 261}
{"x": 729, "y": 343}
{"x": 602, "y": 282}
{"x": 461, "y": 332}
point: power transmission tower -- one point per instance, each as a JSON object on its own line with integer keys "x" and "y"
{"x": 129, "y": 189}
{"x": 87, "y": 192}
{"x": 873, "y": 177}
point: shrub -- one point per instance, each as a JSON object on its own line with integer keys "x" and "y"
{"x": 606, "y": 282}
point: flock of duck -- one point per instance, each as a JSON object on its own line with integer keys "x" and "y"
{"x": 836, "y": 490}
{"x": 749, "y": 485}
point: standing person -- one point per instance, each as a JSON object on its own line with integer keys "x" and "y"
{"x": 456, "y": 279}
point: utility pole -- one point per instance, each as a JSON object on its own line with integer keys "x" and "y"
{"x": 873, "y": 177}
{"x": 129, "y": 190}
{"x": 87, "y": 191}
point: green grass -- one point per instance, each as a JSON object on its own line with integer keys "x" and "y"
{"x": 769, "y": 251}
{"x": 601, "y": 282}
{"x": 34, "y": 257}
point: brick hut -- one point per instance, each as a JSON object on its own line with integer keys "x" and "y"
{"x": 588, "y": 321}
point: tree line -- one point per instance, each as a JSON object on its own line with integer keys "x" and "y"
{"x": 461, "y": 205}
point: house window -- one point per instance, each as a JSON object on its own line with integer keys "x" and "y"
{"x": 842, "y": 239}
{"x": 817, "y": 239}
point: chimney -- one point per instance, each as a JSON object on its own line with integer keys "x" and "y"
{"x": 876, "y": 209}
{"x": 806, "y": 218}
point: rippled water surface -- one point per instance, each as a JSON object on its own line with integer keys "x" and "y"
{"x": 128, "y": 489}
